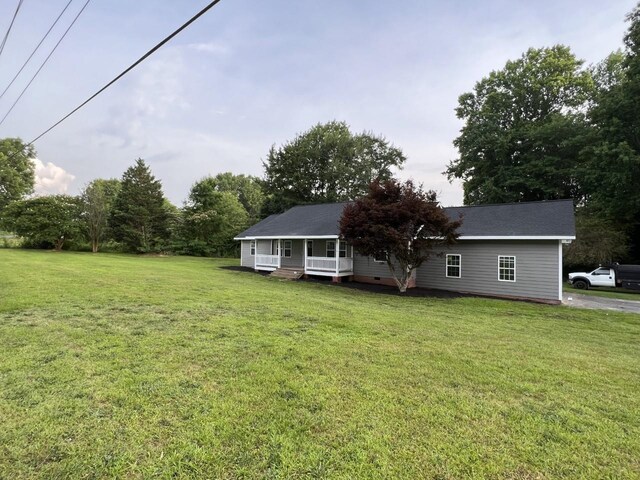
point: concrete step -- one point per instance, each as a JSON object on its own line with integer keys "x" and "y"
{"x": 288, "y": 273}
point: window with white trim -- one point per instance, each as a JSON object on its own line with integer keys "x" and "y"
{"x": 331, "y": 248}
{"x": 382, "y": 259}
{"x": 506, "y": 268}
{"x": 274, "y": 247}
{"x": 286, "y": 248}
{"x": 343, "y": 249}
{"x": 309, "y": 248}
{"x": 252, "y": 248}
{"x": 454, "y": 265}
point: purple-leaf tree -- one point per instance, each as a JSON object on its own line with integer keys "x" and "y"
{"x": 400, "y": 223}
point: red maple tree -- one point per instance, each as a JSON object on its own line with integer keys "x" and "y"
{"x": 398, "y": 222}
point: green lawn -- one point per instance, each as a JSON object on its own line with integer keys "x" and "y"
{"x": 621, "y": 293}
{"x": 117, "y": 366}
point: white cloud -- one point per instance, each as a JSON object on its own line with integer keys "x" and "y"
{"x": 51, "y": 179}
{"x": 210, "y": 47}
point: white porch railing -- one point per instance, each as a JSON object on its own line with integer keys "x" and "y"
{"x": 328, "y": 264}
{"x": 346, "y": 264}
{"x": 267, "y": 261}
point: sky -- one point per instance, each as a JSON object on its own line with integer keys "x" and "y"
{"x": 252, "y": 73}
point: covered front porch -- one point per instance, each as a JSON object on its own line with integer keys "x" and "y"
{"x": 323, "y": 256}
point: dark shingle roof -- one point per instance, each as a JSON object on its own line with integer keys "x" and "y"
{"x": 552, "y": 218}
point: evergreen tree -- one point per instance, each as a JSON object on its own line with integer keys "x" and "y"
{"x": 139, "y": 219}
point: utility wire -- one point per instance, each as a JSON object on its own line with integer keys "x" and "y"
{"x": 6, "y": 35}
{"x": 128, "y": 69}
{"x": 36, "y": 49}
{"x": 44, "y": 63}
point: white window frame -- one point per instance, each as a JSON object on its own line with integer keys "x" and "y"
{"x": 459, "y": 265}
{"x": 377, "y": 260}
{"x": 274, "y": 246}
{"x": 500, "y": 257}
{"x": 329, "y": 242}
{"x": 284, "y": 248}
{"x": 343, "y": 249}
{"x": 252, "y": 248}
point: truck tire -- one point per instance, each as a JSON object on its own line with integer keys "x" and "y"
{"x": 581, "y": 284}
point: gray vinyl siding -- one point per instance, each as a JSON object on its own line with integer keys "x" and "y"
{"x": 246, "y": 259}
{"x": 367, "y": 267}
{"x": 297, "y": 259}
{"x": 537, "y": 264}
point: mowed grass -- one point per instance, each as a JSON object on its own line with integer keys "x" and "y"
{"x": 117, "y": 366}
{"x": 606, "y": 292}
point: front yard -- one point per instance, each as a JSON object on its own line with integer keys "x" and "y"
{"x": 116, "y": 366}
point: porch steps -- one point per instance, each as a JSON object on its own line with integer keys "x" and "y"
{"x": 288, "y": 273}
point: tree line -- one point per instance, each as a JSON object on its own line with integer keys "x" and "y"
{"x": 546, "y": 127}
{"x": 131, "y": 214}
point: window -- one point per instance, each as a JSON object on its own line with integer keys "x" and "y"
{"x": 309, "y": 248}
{"x": 286, "y": 249}
{"x": 601, "y": 271}
{"x": 274, "y": 247}
{"x": 382, "y": 259}
{"x": 343, "y": 249}
{"x": 454, "y": 265}
{"x": 506, "y": 268}
{"x": 252, "y": 248}
{"x": 331, "y": 248}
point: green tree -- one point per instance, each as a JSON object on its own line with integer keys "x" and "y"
{"x": 45, "y": 221}
{"x": 247, "y": 189}
{"x": 524, "y": 129}
{"x": 597, "y": 241}
{"x": 400, "y": 223}
{"x": 211, "y": 219}
{"x": 98, "y": 199}
{"x": 139, "y": 218}
{"x": 612, "y": 172}
{"x": 327, "y": 164}
{"x": 16, "y": 170}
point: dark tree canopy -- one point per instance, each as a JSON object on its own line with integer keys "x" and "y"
{"x": 612, "y": 172}
{"x": 524, "y": 130}
{"x": 44, "y": 221}
{"x": 327, "y": 163}
{"x": 139, "y": 219}
{"x": 400, "y": 223}
{"x": 16, "y": 170}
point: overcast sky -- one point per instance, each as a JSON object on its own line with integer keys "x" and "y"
{"x": 252, "y": 73}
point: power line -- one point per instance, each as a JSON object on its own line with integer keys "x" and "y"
{"x": 44, "y": 63}
{"x": 6, "y": 35}
{"x": 128, "y": 69}
{"x": 124, "y": 72}
{"x": 36, "y": 49}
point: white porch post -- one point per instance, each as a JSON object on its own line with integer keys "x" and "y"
{"x": 337, "y": 257}
{"x": 278, "y": 251}
{"x": 304, "y": 254}
{"x": 255, "y": 253}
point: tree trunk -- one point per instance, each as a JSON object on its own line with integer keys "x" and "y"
{"x": 403, "y": 281}
{"x": 94, "y": 246}
{"x": 59, "y": 243}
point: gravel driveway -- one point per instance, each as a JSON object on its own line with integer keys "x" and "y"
{"x": 600, "y": 303}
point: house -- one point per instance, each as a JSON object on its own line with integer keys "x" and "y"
{"x": 511, "y": 250}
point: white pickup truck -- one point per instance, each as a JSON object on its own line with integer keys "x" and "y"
{"x": 614, "y": 275}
